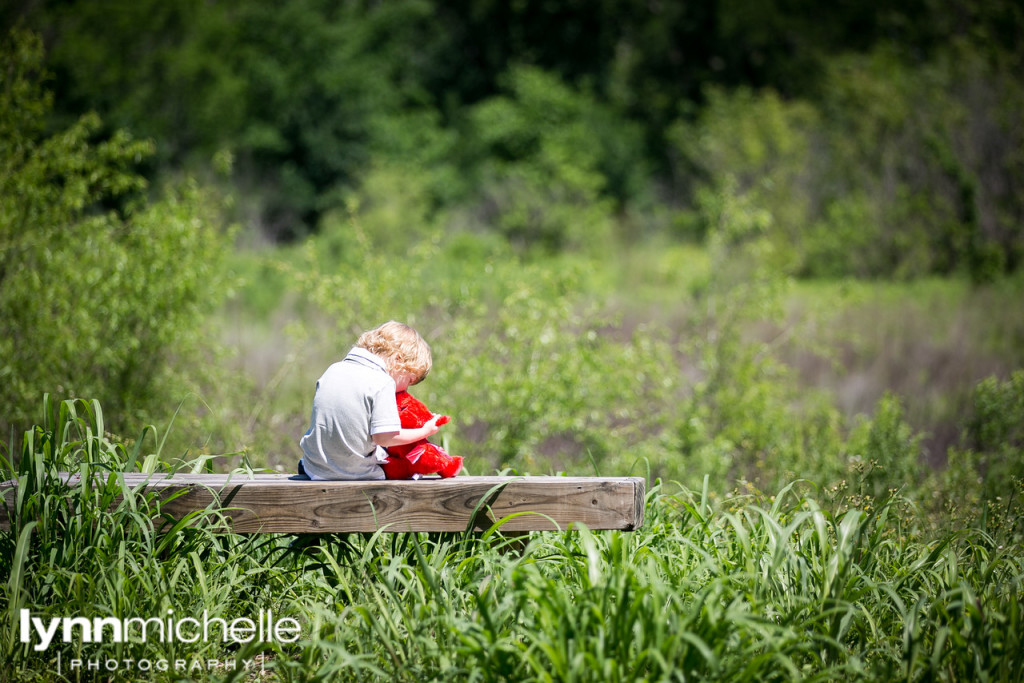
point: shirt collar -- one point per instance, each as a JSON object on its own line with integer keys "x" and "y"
{"x": 363, "y": 357}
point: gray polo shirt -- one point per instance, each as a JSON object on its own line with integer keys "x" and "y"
{"x": 355, "y": 399}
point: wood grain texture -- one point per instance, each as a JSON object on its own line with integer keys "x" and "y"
{"x": 272, "y": 503}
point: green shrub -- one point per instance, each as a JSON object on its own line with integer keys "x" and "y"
{"x": 984, "y": 477}
{"x": 757, "y": 146}
{"x": 101, "y": 292}
{"x": 886, "y": 452}
{"x": 877, "y": 174}
{"x": 549, "y": 159}
{"x": 996, "y": 423}
{"x": 742, "y": 421}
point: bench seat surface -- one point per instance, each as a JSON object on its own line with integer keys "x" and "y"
{"x": 265, "y": 503}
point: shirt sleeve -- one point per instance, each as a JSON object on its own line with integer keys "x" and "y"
{"x": 384, "y": 416}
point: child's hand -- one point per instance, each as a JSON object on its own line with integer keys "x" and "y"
{"x": 433, "y": 425}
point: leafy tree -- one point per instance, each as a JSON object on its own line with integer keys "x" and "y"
{"x": 546, "y": 152}
{"x": 311, "y": 96}
{"x": 881, "y": 174}
{"x": 294, "y": 90}
{"x": 102, "y": 294}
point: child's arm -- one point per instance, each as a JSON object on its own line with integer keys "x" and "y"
{"x": 404, "y": 436}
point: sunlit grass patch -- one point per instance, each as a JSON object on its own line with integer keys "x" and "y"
{"x": 792, "y": 584}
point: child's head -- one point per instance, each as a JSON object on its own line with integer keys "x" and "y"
{"x": 401, "y": 347}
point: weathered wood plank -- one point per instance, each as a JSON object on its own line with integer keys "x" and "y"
{"x": 272, "y": 503}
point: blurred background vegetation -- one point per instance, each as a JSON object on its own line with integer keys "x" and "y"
{"x": 754, "y": 240}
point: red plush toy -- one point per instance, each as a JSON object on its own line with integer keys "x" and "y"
{"x": 419, "y": 457}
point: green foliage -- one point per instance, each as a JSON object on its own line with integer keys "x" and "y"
{"x": 886, "y": 452}
{"x": 997, "y": 421}
{"x": 101, "y": 293}
{"x": 987, "y": 470}
{"x": 760, "y": 143}
{"x": 524, "y": 364}
{"x": 92, "y": 546}
{"x": 878, "y": 175}
{"x": 887, "y": 135}
{"x": 546, "y": 153}
{"x": 741, "y": 422}
{"x": 752, "y": 587}
{"x": 301, "y": 93}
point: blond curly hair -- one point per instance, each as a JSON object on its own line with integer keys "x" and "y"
{"x": 401, "y": 347}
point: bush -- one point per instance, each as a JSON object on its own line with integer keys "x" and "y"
{"x": 996, "y": 423}
{"x": 990, "y": 462}
{"x": 886, "y": 452}
{"x": 101, "y": 292}
{"x": 757, "y": 146}
{"x": 551, "y": 162}
{"x": 878, "y": 174}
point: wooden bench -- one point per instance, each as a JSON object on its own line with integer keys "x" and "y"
{"x": 273, "y": 503}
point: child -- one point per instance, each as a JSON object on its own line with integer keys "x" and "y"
{"x": 355, "y": 416}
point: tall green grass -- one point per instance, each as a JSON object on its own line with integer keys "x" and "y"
{"x": 799, "y": 585}
{"x": 90, "y": 545}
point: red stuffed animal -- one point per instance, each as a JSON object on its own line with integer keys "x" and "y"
{"x": 420, "y": 457}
